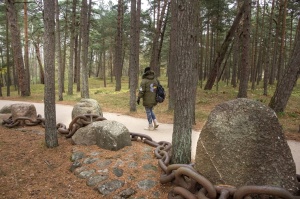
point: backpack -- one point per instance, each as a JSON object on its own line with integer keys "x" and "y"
{"x": 160, "y": 93}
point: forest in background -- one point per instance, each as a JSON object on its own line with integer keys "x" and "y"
{"x": 274, "y": 24}
{"x": 196, "y": 44}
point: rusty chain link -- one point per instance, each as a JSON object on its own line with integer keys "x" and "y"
{"x": 77, "y": 123}
{"x": 23, "y": 121}
{"x": 188, "y": 182}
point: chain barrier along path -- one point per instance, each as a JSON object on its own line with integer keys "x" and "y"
{"x": 137, "y": 125}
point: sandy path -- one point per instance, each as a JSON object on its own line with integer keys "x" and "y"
{"x": 164, "y": 132}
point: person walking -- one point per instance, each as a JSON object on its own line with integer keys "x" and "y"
{"x": 147, "y": 92}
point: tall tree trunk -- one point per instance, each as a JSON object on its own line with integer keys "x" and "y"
{"x": 17, "y": 48}
{"x": 58, "y": 53}
{"x": 186, "y": 82}
{"x": 134, "y": 55}
{"x": 262, "y": 48}
{"x": 162, "y": 35}
{"x": 66, "y": 31}
{"x": 286, "y": 84}
{"x": 223, "y": 50}
{"x": 235, "y": 60}
{"x": 38, "y": 56}
{"x": 72, "y": 42}
{"x": 26, "y": 53}
{"x": 138, "y": 29}
{"x": 78, "y": 54}
{"x": 49, "y": 62}
{"x": 118, "y": 66}
{"x": 90, "y": 61}
{"x": 245, "y": 53}
{"x": 255, "y": 49}
{"x": 268, "y": 58}
{"x": 154, "y": 62}
{"x": 201, "y": 52}
{"x": 280, "y": 67}
{"x": 104, "y": 66}
{"x": 84, "y": 52}
{"x": 7, "y": 58}
{"x": 172, "y": 58}
{"x": 207, "y": 51}
{"x": 77, "y": 58}
{"x": 275, "y": 51}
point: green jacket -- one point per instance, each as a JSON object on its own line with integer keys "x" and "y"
{"x": 147, "y": 89}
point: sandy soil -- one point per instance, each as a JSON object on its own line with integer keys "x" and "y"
{"x": 28, "y": 169}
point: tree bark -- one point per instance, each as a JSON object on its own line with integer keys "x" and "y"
{"x": 186, "y": 83}
{"x": 245, "y": 53}
{"x": 268, "y": 58}
{"x": 38, "y": 56}
{"x": 49, "y": 62}
{"x": 66, "y": 34}
{"x": 58, "y": 53}
{"x": 118, "y": 66}
{"x": 285, "y": 87}
{"x": 72, "y": 42}
{"x": 255, "y": 49}
{"x": 17, "y": 48}
{"x": 134, "y": 54}
{"x": 84, "y": 53}
{"x": 7, "y": 58}
{"x": 172, "y": 58}
{"x": 26, "y": 53}
{"x": 154, "y": 63}
{"x": 280, "y": 67}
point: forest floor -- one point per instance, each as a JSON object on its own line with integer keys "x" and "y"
{"x": 28, "y": 169}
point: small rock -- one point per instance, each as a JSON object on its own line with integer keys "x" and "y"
{"x": 110, "y": 186}
{"x": 77, "y": 156}
{"x": 94, "y": 180}
{"x": 132, "y": 164}
{"x": 74, "y": 166}
{"x": 90, "y": 160}
{"x": 79, "y": 170}
{"x": 146, "y": 184}
{"x": 150, "y": 167}
{"x": 118, "y": 172}
{"x": 86, "y": 174}
{"x": 95, "y": 153}
{"x": 104, "y": 163}
{"x": 127, "y": 193}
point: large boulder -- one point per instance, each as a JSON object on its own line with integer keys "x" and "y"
{"x": 23, "y": 110}
{"x": 242, "y": 143}
{"x": 5, "y": 109}
{"x": 110, "y": 135}
{"x": 87, "y": 106}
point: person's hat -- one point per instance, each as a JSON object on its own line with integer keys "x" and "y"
{"x": 147, "y": 69}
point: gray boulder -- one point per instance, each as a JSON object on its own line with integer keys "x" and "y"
{"x": 87, "y": 106}
{"x": 23, "y": 110}
{"x": 110, "y": 135}
{"x": 242, "y": 143}
{"x": 5, "y": 109}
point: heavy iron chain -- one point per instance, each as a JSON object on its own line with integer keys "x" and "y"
{"x": 77, "y": 123}
{"x": 188, "y": 182}
{"x": 23, "y": 121}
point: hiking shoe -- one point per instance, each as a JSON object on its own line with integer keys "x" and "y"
{"x": 149, "y": 128}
